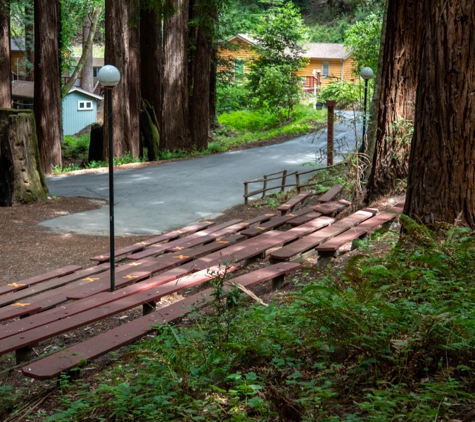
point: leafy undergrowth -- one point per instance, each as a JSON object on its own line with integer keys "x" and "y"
{"x": 389, "y": 339}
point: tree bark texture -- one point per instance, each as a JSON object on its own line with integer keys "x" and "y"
{"x": 441, "y": 181}
{"x": 213, "y": 80}
{"x": 175, "y": 113}
{"x": 370, "y": 141}
{"x": 47, "y": 92}
{"x": 5, "y": 69}
{"x": 86, "y": 75}
{"x": 30, "y": 40}
{"x": 21, "y": 179}
{"x": 123, "y": 51}
{"x": 151, "y": 52}
{"x": 395, "y": 115}
{"x": 200, "y": 71}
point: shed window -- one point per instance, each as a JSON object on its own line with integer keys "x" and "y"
{"x": 325, "y": 69}
{"x": 85, "y": 105}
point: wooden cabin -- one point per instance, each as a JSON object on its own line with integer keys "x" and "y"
{"x": 327, "y": 61}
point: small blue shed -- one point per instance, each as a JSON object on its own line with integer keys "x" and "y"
{"x": 79, "y": 110}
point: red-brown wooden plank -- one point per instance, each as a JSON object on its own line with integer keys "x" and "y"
{"x": 70, "y": 309}
{"x": 51, "y": 366}
{"x": 330, "y": 194}
{"x": 293, "y": 202}
{"x": 44, "y": 332}
{"x": 328, "y": 208}
{"x": 57, "y": 296}
{"x": 49, "y": 284}
{"x": 203, "y": 234}
{"x": 311, "y": 241}
{"x": 297, "y": 221}
{"x": 157, "y": 239}
{"x": 275, "y": 222}
{"x": 372, "y": 223}
{"x": 23, "y": 284}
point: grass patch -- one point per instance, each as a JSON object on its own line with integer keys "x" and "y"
{"x": 389, "y": 339}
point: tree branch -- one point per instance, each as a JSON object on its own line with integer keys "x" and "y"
{"x": 87, "y": 47}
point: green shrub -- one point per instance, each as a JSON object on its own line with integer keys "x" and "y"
{"x": 249, "y": 120}
{"x": 231, "y": 97}
{"x": 346, "y": 94}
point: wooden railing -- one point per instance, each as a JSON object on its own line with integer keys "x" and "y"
{"x": 283, "y": 177}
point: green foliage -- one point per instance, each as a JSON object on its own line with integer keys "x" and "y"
{"x": 231, "y": 96}
{"x": 364, "y": 39}
{"x": 249, "y": 120}
{"x": 346, "y": 94}
{"x": 333, "y": 33}
{"x": 236, "y": 130}
{"x": 279, "y": 45}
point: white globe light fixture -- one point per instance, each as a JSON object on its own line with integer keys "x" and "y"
{"x": 109, "y": 77}
{"x": 366, "y": 73}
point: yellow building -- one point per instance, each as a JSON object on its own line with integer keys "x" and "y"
{"x": 326, "y": 61}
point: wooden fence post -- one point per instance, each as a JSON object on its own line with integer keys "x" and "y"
{"x": 331, "y": 118}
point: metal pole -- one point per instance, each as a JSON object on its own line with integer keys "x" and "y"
{"x": 364, "y": 106}
{"x": 111, "y": 189}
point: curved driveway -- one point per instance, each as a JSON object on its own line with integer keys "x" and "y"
{"x": 152, "y": 200}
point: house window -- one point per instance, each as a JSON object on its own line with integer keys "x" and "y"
{"x": 325, "y": 69}
{"x": 85, "y": 105}
{"x": 239, "y": 66}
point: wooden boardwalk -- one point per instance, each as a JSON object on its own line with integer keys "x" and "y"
{"x": 63, "y": 300}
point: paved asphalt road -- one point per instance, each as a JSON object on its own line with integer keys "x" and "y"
{"x": 152, "y": 200}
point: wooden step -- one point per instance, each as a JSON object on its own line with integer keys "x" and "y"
{"x": 308, "y": 243}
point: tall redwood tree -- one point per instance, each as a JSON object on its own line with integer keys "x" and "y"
{"x": 400, "y": 67}
{"x": 151, "y": 52}
{"x": 441, "y": 181}
{"x": 123, "y": 51}
{"x": 47, "y": 91}
{"x": 5, "y": 67}
{"x": 203, "y": 17}
{"x": 175, "y": 113}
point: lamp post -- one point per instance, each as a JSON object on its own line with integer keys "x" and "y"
{"x": 109, "y": 77}
{"x": 366, "y": 74}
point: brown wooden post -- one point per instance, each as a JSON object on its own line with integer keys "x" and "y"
{"x": 284, "y": 179}
{"x": 331, "y": 117}
{"x": 245, "y": 192}
{"x": 264, "y": 189}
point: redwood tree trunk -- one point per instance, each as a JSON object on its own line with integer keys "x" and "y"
{"x": 151, "y": 52}
{"x": 213, "y": 114}
{"x": 397, "y": 97}
{"x": 123, "y": 51}
{"x": 47, "y": 92}
{"x": 441, "y": 182}
{"x": 86, "y": 75}
{"x": 5, "y": 67}
{"x": 200, "y": 71}
{"x": 29, "y": 41}
{"x": 175, "y": 113}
